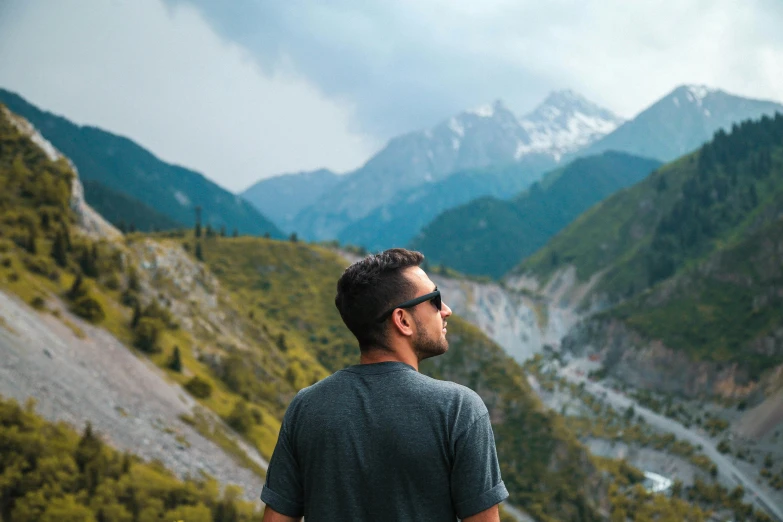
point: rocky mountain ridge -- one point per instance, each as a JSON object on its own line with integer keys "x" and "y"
{"x": 682, "y": 121}
{"x": 488, "y": 136}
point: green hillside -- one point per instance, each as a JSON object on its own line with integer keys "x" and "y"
{"x": 51, "y": 474}
{"x": 124, "y": 212}
{"x": 123, "y": 166}
{"x": 489, "y": 236}
{"x": 690, "y": 251}
{"x": 43, "y": 256}
{"x": 725, "y": 310}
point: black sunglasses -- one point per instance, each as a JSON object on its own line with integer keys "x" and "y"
{"x": 432, "y": 296}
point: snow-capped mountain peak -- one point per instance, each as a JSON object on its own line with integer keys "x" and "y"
{"x": 565, "y": 122}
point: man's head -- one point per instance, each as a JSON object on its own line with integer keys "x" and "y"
{"x": 369, "y": 295}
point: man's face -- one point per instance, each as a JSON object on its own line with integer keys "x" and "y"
{"x": 430, "y": 338}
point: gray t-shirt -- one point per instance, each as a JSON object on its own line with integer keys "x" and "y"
{"x": 380, "y": 442}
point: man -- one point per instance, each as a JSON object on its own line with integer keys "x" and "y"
{"x": 379, "y": 441}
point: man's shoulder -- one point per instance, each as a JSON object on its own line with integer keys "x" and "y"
{"x": 458, "y": 399}
{"x": 435, "y": 387}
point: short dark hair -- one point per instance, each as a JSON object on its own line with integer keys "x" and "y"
{"x": 371, "y": 286}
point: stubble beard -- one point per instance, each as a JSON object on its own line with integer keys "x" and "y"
{"x": 426, "y": 346}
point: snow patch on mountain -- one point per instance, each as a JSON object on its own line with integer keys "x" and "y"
{"x": 456, "y": 126}
{"x": 697, "y": 93}
{"x": 483, "y": 111}
{"x": 564, "y": 123}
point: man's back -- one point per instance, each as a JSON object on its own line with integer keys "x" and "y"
{"x": 383, "y": 442}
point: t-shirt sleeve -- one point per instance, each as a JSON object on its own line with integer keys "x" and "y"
{"x": 283, "y": 490}
{"x": 475, "y": 476}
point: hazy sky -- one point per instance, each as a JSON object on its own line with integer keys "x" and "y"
{"x": 246, "y": 89}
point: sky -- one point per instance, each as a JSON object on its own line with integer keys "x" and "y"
{"x": 244, "y": 90}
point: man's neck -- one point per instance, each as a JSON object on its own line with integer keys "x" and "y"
{"x": 373, "y": 356}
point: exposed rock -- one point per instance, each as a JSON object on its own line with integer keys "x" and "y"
{"x": 127, "y": 399}
{"x": 648, "y": 364}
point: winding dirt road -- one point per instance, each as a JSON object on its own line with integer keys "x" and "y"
{"x": 726, "y": 469}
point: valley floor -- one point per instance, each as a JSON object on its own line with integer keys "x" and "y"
{"x": 730, "y": 471}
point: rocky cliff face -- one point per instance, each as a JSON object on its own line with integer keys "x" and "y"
{"x": 649, "y": 364}
{"x": 521, "y": 315}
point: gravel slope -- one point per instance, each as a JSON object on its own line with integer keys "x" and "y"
{"x": 97, "y": 379}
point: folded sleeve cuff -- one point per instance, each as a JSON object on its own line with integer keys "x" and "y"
{"x": 482, "y": 502}
{"x": 281, "y": 504}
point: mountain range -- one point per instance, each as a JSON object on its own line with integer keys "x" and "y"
{"x": 489, "y": 136}
{"x": 417, "y": 176}
{"x": 282, "y": 197}
{"x": 489, "y": 236}
{"x": 123, "y": 166}
{"x": 680, "y": 122}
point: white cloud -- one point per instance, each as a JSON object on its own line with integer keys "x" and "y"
{"x": 164, "y": 78}
{"x": 409, "y": 63}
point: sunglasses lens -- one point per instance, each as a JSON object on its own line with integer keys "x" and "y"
{"x": 437, "y": 302}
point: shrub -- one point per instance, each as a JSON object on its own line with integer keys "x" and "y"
{"x": 199, "y": 388}
{"x": 147, "y": 334}
{"x": 112, "y": 282}
{"x": 43, "y": 266}
{"x": 89, "y": 308}
{"x": 38, "y": 302}
{"x": 240, "y": 418}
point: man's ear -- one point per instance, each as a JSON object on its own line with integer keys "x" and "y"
{"x": 402, "y": 322}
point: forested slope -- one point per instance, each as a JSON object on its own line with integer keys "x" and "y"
{"x": 692, "y": 254}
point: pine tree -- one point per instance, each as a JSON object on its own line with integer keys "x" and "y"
{"x": 77, "y": 289}
{"x": 199, "y": 253}
{"x": 235, "y": 233}
{"x": 222, "y": 230}
{"x": 32, "y": 239}
{"x": 175, "y": 363}
{"x": 88, "y": 449}
{"x": 136, "y": 314}
{"x": 87, "y": 261}
{"x": 60, "y": 249}
{"x": 94, "y": 259}
{"x": 197, "y": 230}
{"x": 281, "y": 343}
